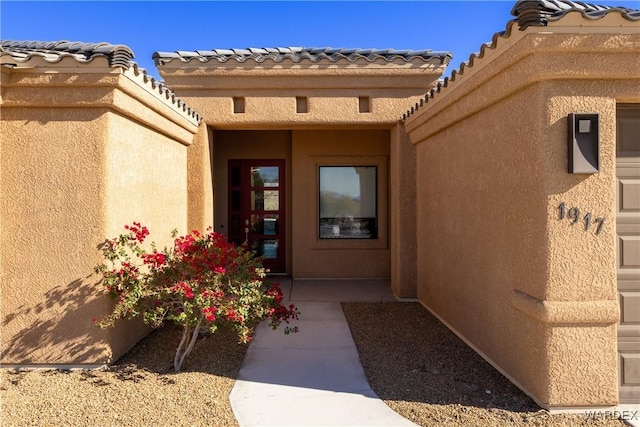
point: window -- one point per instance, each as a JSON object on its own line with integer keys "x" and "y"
{"x": 348, "y": 202}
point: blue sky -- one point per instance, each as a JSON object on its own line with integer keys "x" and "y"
{"x": 460, "y": 27}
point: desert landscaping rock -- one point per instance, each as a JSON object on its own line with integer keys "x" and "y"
{"x": 417, "y": 366}
{"x": 141, "y": 389}
{"x": 427, "y": 374}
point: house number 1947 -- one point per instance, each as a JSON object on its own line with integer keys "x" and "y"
{"x": 573, "y": 215}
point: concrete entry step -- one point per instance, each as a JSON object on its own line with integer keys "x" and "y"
{"x": 336, "y": 290}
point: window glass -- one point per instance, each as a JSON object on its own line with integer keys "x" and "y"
{"x": 348, "y": 202}
{"x": 266, "y": 224}
{"x": 267, "y": 248}
{"x": 264, "y": 176}
{"x": 265, "y": 200}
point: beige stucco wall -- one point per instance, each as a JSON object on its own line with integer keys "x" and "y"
{"x": 146, "y": 177}
{"x": 269, "y": 94}
{"x": 533, "y": 294}
{"x": 316, "y": 258}
{"x": 402, "y": 182}
{"x": 200, "y": 181}
{"x": 52, "y": 224}
{"x": 333, "y": 129}
{"x": 82, "y": 155}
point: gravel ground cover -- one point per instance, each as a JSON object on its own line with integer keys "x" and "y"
{"x": 427, "y": 374}
{"x": 141, "y": 389}
{"x": 416, "y": 365}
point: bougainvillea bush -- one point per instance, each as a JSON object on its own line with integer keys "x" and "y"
{"x": 202, "y": 283}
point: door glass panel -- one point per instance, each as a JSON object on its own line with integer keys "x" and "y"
{"x": 268, "y": 248}
{"x": 265, "y": 200}
{"x": 236, "y": 224}
{"x": 236, "y": 197}
{"x": 235, "y": 176}
{"x": 264, "y": 176}
{"x": 266, "y": 224}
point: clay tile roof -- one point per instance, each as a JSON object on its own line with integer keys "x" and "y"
{"x": 540, "y": 12}
{"x": 298, "y": 54}
{"x": 118, "y": 55}
{"x": 528, "y": 13}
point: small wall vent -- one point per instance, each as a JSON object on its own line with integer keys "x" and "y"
{"x": 238, "y": 104}
{"x": 364, "y": 104}
{"x": 302, "y": 104}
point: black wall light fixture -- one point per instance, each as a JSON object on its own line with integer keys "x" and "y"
{"x": 583, "y": 142}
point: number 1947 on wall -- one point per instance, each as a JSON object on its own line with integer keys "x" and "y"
{"x": 574, "y": 216}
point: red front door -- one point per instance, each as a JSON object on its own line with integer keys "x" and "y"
{"x": 257, "y": 209}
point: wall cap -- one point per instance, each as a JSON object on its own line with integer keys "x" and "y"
{"x": 566, "y": 313}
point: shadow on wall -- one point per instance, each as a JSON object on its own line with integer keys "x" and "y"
{"x": 58, "y": 330}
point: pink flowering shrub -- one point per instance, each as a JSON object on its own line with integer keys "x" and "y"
{"x": 202, "y": 283}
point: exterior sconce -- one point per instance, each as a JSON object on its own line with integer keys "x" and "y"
{"x": 583, "y": 142}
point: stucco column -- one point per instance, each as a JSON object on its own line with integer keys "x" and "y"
{"x": 578, "y": 311}
{"x": 402, "y": 184}
{"x": 581, "y": 288}
{"x": 200, "y": 181}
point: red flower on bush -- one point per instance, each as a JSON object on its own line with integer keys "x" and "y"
{"x": 209, "y": 313}
{"x": 155, "y": 259}
{"x": 275, "y": 293}
{"x": 206, "y": 293}
{"x": 201, "y": 283}
{"x": 138, "y": 232}
{"x": 233, "y": 316}
{"x": 184, "y": 289}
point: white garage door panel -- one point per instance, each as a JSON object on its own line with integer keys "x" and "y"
{"x": 629, "y": 190}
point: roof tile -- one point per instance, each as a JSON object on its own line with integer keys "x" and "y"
{"x": 118, "y": 55}
{"x": 528, "y": 13}
{"x": 540, "y": 12}
{"x": 298, "y": 54}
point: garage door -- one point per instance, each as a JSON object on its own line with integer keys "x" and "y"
{"x": 628, "y": 250}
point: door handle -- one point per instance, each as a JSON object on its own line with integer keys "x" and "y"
{"x": 246, "y": 234}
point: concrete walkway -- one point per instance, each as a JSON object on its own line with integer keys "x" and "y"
{"x": 314, "y": 377}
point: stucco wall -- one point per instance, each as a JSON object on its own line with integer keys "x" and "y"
{"x": 53, "y": 221}
{"x": 402, "y": 182}
{"x": 75, "y": 169}
{"x": 337, "y": 258}
{"x": 146, "y": 178}
{"x": 200, "y": 181}
{"x": 269, "y": 94}
{"x": 333, "y": 127}
{"x": 535, "y": 295}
